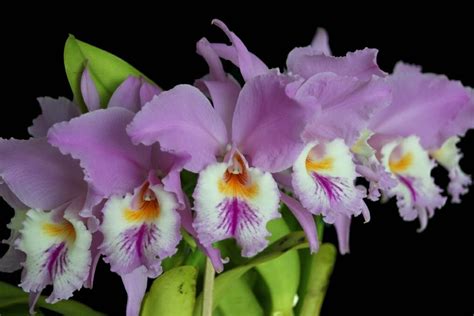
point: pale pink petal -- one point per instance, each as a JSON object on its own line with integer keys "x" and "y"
{"x": 182, "y": 120}
{"x": 267, "y": 123}
{"x": 53, "y": 111}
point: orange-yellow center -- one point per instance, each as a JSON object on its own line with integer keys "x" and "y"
{"x": 318, "y": 165}
{"x": 402, "y": 164}
{"x": 65, "y": 230}
{"x": 236, "y": 182}
{"x": 148, "y": 210}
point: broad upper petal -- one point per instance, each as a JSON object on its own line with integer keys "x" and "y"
{"x": 182, "y": 120}
{"x": 267, "y": 123}
{"x": 342, "y": 105}
{"x": 39, "y": 175}
{"x": 425, "y": 105}
{"x": 112, "y": 164}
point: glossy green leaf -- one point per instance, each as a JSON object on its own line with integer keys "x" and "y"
{"x": 107, "y": 70}
{"x": 172, "y": 294}
{"x": 240, "y": 300}
{"x": 320, "y": 270}
{"x": 281, "y": 275}
{"x": 225, "y": 280}
{"x": 13, "y": 298}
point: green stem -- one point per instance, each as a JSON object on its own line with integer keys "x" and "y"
{"x": 321, "y": 267}
{"x": 208, "y": 291}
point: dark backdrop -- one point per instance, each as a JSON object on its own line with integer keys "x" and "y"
{"x": 391, "y": 268}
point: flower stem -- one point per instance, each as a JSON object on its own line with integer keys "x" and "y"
{"x": 322, "y": 264}
{"x": 208, "y": 291}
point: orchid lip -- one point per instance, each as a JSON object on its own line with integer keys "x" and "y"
{"x": 144, "y": 207}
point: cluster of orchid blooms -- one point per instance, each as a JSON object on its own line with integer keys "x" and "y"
{"x": 106, "y": 183}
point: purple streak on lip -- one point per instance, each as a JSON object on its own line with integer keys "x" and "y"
{"x": 328, "y": 186}
{"x": 236, "y": 212}
{"x": 56, "y": 260}
{"x": 409, "y": 184}
{"x": 139, "y": 239}
{"x": 139, "y": 242}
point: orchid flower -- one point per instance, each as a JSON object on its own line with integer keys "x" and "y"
{"x": 144, "y": 208}
{"x": 403, "y": 143}
{"x": 342, "y": 93}
{"x": 52, "y": 200}
{"x": 48, "y": 193}
{"x": 236, "y": 194}
{"x": 141, "y": 221}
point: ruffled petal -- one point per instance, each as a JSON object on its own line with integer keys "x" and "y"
{"x": 367, "y": 166}
{"x": 345, "y": 105}
{"x": 112, "y": 164}
{"x": 267, "y": 124}
{"x": 53, "y": 111}
{"x": 11, "y": 260}
{"x": 417, "y": 195}
{"x": 182, "y": 120}
{"x": 140, "y": 230}
{"x": 89, "y": 91}
{"x": 57, "y": 253}
{"x": 321, "y": 42}
{"x": 234, "y": 201}
{"x": 449, "y": 156}
{"x": 308, "y": 61}
{"x": 39, "y": 175}
{"x": 249, "y": 64}
{"x": 425, "y": 105}
{"x": 323, "y": 179}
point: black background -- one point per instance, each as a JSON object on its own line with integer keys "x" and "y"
{"x": 391, "y": 268}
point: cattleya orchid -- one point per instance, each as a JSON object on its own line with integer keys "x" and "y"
{"x": 403, "y": 145}
{"x": 339, "y": 101}
{"x": 103, "y": 177}
{"x": 235, "y": 195}
{"x": 52, "y": 200}
{"x": 47, "y": 191}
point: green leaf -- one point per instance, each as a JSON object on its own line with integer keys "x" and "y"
{"x": 281, "y": 275}
{"x": 107, "y": 70}
{"x": 320, "y": 270}
{"x": 13, "y": 298}
{"x": 172, "y": 294}
{"x": 225, "y": 280}
{"x": 240, "y": 300}
{"x": 178, "y": 258}
{"x": 17, "y": 310}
